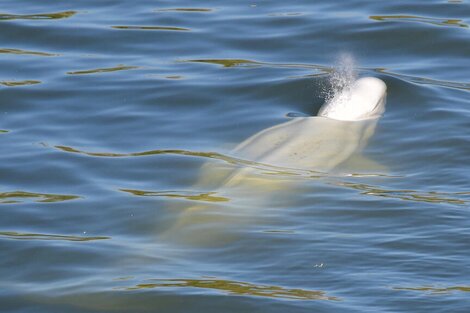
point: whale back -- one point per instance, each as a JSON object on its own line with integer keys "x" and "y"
{"x": 311, "y": 143}
{"x": 363, "y": 100}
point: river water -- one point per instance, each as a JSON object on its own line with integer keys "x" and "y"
{"x": 112, "y": 110}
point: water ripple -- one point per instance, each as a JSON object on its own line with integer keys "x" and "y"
{"x": 190, "y": 10}
{"x": 25, "y": 52}
{"x": 264, "y": 168}
{"x": 426, "y": 81}
{"x": 103, "y": 70}
{"x": 30, "y": 236}
{"x": 207, "y": 196}
{"x": 322, "y": 70}
{"x": 15, "y": 83}
{"x": 19, "y": 196}
{"x": 420, "y": 19}
{"x": 250, "y": 63}
{"x": 237, "y": 288}
{"x": 410, "y": 195}
{"x": 40, "y": 16}
{"x": 135, "y": 27}
{"x": 435, "y": 290}
{"x": 209, "y": 155}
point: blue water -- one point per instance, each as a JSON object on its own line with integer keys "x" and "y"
{"x": 111, "y": 112}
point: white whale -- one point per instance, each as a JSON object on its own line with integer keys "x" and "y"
{"x": 343, "y": 126}
{"x": 319, "y": 143}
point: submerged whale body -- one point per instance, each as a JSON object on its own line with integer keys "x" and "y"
{"x": 319, "y": 143}
{"x": 343, "y": 126}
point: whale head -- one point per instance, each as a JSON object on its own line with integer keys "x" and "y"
{"x": 365, "y": 99}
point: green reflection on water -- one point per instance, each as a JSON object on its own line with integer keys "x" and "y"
{"x": 103, "y": 70}
{"x": 238, "y": 288}
{"x": 41, "y": 16}
{"x": 285, "y": 14}
{"x": 170, "y": 28}
{"x": 208, "y": 196}
{"x": 420, "y": 19}
{"x": 184, "y": 10}
{"x": 4, "y": 131}
{"x": 249, "y": 63}
{"x": 174, "y": 77}
{"x": 213, "y": 155}
{"x": 435, "y": 290}
{"x": 17, "y": 196}
{"x": 409, "y": 195}
{"x": 226, "y": 62}
{"x": 29, "y": 236}
{"x": 19, "y": 83}
{"x": 25, "y": 52}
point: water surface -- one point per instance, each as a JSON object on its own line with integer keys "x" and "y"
{"x": 110, "y": 109}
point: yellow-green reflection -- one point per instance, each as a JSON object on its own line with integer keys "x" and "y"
{"x": 251, "y": 63}
{"x": 238, "y": 288}
{"x": 285, "y": 14}
{"x": 226, "y": 62}
{"x": 29, "y": 236}
{"x": 409, "y": 195}
{"x": 20, "y": 196}
{"x": 184, "y": 10}
{"x": 436, "y": 290}
{"x": 169, "y": 28}
{"x": 208, "y": 196}
{"x": 174, "y": 77}
{"x": 420, "y": 19}
{"x": 19, "y": 83}
{"x": 4, "y": 131}
{"x": 25, "y": 52}
{"x": 278, "y": 231}
{"x": 103, "y": 70}
{"x": 41, "y": 16}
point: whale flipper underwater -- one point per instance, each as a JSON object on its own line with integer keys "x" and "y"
{"x": 319, "y": 143}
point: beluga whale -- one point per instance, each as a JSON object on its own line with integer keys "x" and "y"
{"x": 272, "y": 158}
{"x": 343, "y": 126}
